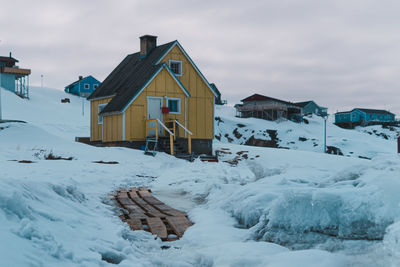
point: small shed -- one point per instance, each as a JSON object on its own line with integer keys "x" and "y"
{"x": 13, "y": 78}
{"x": 84, "y": 86}
{"x": 310, "y": 107}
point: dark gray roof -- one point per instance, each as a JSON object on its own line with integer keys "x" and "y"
{"x": 213, "y": 86}
{"x": 374, "y": 111}
{"x": 258, "y": 97}
{"x": 129, "y": 77}
{"x": 303, "y": 104}
{"x": 72, "y": 84}
{"x": 368, "y": 111}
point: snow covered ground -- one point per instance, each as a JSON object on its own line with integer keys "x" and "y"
{"x": 263, "y": 207}
{"x": 308, "y": 136}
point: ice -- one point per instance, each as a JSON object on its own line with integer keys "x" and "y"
{"x": 278, "y": 207}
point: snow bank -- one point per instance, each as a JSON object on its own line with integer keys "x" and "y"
{"x": 252, "y": 211}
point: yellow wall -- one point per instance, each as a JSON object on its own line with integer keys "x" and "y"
{"x": 95, "y": 128}
{"x": 136, "y": 114}
{"x": 112, "y": 128}
{"x": 200, "y": 104}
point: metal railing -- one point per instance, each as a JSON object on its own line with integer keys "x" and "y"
{"x": 157, "y": 122}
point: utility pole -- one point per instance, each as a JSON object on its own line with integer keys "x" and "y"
{"x": 83, "y": 103}
{"x": 41, "y": 80}
{"x": 0, "y": 99}
{"x": 325, "y": 119}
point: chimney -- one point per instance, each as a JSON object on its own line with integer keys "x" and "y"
{"x": 147, "y": 43}
{"x": 80, "y": 77}
{"x": 10, "y": 55}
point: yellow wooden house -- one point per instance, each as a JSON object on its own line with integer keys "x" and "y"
{"x": 157, "y": 92}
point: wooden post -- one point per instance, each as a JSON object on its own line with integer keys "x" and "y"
{"x": 398, "y": 144}
{"x": 171, "y": 141}
{"x": 156, "y": 129}
{"x": 190, "y": 143}
{"x": 147, "y": 128}
{"x": 174, "y": 129}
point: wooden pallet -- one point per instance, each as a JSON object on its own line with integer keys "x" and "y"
{"x": 142, "y": 211}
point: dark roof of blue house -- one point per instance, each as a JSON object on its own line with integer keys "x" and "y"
{"x": 72, "y": 84}
{"x": 129, "y": 77}
{"x": 303, "y": 104}
{"x": 374, "y": 111}
{"x": 215, "y": 89}
{"x": 368, "y": 111}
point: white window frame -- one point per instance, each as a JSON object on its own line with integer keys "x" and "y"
{"x": 100, "y": 108}
{"x": 95, "y": 86}
{"x": 179, "y": 104}
{"x": 86, "y": 86}
{"x": 180, "y": 66}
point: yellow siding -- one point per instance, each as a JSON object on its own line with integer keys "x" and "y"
{"x": 200, "y": 105}
{"x": 112, "y": 128}
{"x": 95, "y": 127}
{"x": 136, "y": 114}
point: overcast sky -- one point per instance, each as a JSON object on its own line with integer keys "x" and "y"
{"x": 342, "y": 54}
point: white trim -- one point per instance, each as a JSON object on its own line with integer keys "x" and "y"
{"x": 185, "y": 118}
{"x": 95, "y": 85}
{"x": 101, "y": 97}
{"x": 180, "y": 66}
{"x": 179, "y": 104}
{"x": 213, "y": 119}
{"x": 123, "y": 126}
{"x": 191, "y": 62}
{"x": 98, "y": 112}
{"x": 86, "y": 84}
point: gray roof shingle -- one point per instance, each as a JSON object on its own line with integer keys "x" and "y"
{"x": 128, "y": 78}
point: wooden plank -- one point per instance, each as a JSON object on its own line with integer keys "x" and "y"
{"x": 157, "y": 227}
{"x": 134, "y": 223}
{"x": 146, "y": 206}
{"x": 130, "y": 205}
{"x": 179, "y": 224}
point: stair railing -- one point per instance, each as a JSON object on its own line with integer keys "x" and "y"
{"x": 175, "y": 122}
{"x": 157, "y": 122}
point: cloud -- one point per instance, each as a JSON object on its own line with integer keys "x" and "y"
{"x": 341, "y": 54}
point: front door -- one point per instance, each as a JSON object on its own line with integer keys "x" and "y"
{"x": 154, "y": 112}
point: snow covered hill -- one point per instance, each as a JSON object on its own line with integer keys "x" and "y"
{"x": 256, "y": 207}
{"x": 366, "y": 142}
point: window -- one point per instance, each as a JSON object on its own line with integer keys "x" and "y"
{"x": 95, "y": 86}
{"x": 86, "y": 86}
{"x": 100, "y": 108}
{"x": 174, "y": 105}
{"x": 176, "y": 67}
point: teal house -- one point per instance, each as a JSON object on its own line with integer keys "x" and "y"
{"x": 84, "y": 86}
{"x": 363, "y": 116}
{"x": 13, "y": 78}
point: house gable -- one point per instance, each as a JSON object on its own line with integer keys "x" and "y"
{"x": 162, "y": 67}
{"x": 176, "y": 52}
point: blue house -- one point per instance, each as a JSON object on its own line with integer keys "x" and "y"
{"x": 363, "y": 116}
{"x": 13, "y": 78}
{"x": 83, "y": 86}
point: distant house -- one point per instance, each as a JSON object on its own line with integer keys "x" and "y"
{"x": 310, "y": 107}
{"x": 268, "y": 108}
{"x": 12, "y": 78}
{"x": 218, "y": 100}
{"x": 83, "y": 86}
{"x": 363, "y": 116}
